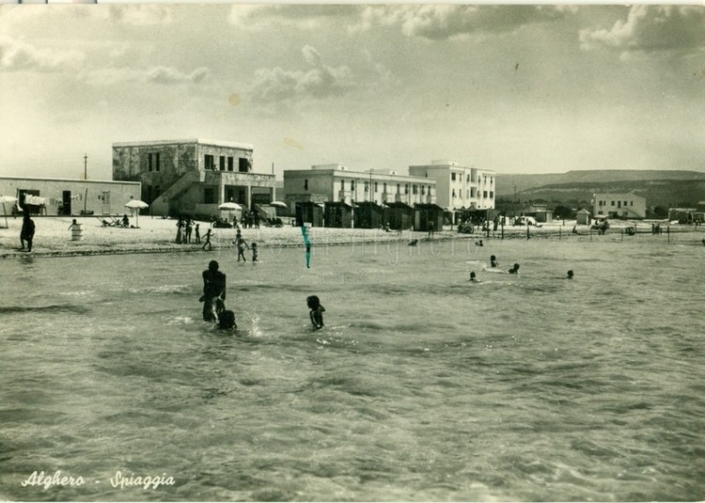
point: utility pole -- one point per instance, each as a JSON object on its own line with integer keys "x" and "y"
{"x": 85, "y": 166}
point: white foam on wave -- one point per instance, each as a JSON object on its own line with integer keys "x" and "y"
{"x": 181, "y": 320}
{"x": 82, "y": 293}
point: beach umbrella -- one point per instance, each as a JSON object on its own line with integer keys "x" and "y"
{"x": 136, "y": 204}
{"x": 3, "y": 200}
{"x": 278, "y": 203}
{"x": 229, "y": 206}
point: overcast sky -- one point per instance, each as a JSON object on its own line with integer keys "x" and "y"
{"x": 516, "y": 89}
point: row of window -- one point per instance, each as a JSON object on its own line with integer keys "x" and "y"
{"x": 459, "y": 177}
{"x": 619, "y": 203}
{"x": 226, "y": 163}
{"x": 471, "y": 193}
{"x": 414, "y": 187}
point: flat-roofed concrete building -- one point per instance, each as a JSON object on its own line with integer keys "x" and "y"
{"x": 64, "y": 196}
{"x": 338, "y": 183}
{"x": 619, "y": 206}
{"x": 193, "y": 176}
{"x": 459, "y": 187}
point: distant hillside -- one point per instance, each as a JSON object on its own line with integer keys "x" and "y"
{"x": 668, "y": 193}
{"x": 506, "y": 184}
{"x": 660, "y": 188}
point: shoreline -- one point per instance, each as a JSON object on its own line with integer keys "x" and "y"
{"x": 53, "y": 238}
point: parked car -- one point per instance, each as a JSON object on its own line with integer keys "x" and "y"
{"x": 526, "y": 221}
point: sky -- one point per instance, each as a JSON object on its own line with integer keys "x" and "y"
{"x": 515, "y": 89}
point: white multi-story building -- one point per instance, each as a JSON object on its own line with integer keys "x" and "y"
{"x": 619, "y": 205}
{"x": 459, "y": 186}
{"x": 337, "y": 183}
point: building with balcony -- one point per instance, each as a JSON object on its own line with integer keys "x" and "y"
{"x": 459, "y": 187}
{"x": 337, "y": 183}
{"x": 192, "y": 177}
{"x": 618, "y": 206}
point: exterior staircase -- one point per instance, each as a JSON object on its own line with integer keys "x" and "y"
{"x": 160, "y": 205}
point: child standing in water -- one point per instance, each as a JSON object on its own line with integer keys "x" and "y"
{"x": 254, "y": 252}
{"x": 316, "y": 313}
{"x": 241, "y": 246}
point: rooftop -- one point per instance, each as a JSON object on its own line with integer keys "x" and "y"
{"x": 200, "y": 141}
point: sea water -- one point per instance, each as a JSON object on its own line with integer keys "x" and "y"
{"x": 421, "y": 387}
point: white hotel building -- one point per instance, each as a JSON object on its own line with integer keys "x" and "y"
{"x": 459, "y": 186}
{"x": 337, "y": 183}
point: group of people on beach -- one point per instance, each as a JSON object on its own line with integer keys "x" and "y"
{"x": 185, "y": 227}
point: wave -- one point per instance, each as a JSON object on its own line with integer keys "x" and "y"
{"x": 56, "y": 308}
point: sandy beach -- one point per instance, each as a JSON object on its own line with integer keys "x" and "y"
{"x": 157, "y": 235}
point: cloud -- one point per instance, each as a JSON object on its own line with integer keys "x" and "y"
{"x": 16, "y": 55}
{"x": 650, "y": 29}
{"x": 169, "y": 75}
{"x": 318, "y": 82}
{"x": 439, "y": 22}
{"x": 308, "y": 17}
{"x": 140, "y": 15}
{"x": 156, "y": 75}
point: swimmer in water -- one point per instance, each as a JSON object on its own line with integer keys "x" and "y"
{"x": 493, "y": 261}
{"x": 570, "y": 275}
{"x": 514, "y": 270}
{"x": 226, "y": 320}
{"x": 473, "y": 278}
{"x": 317, "y": 310}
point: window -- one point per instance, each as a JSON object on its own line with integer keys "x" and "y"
{"x": 156, "y": 168}
{"x": 230, "y": 164}
{"x": 453, "y": 192}
{"x": 367, "y": 186}
{"x": 406, "y": 188}
{"x": 625, "y": 203}
{"x": 376, "y": 189}
{"x": 209, "y": 196}
{"x": 149, "y": 162}
{"x": 467, "y": 180}
{"x": 222, "y": 163}
{"x": 305, "y": 184}
{"x": 243, "y": 165}
{"x": 612, "y": 203}
{"x": 423, "y": 190}
{"x": 384, "y": 187}
{"x": 491, "y": 193}
{"x": 415, "y": 189}
{"x": 157, "y": 191}
{"x": 631, "y": 203}
{"x": 398, "y": 188}
{"x": 352, "y": 185}
{"x": 452, "y": 176}
{"x": 210, "y": 161}
{"x": 484, "y": 193}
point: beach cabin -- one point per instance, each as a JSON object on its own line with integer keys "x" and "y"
{"x": 400, "y": 215}
{"x": 424, "y": 214}
{"x": 312, "y": 213}
{"x": 337, "y": 214}
{"x": 368, "y": 215}
{"x": 583, "y": 217}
